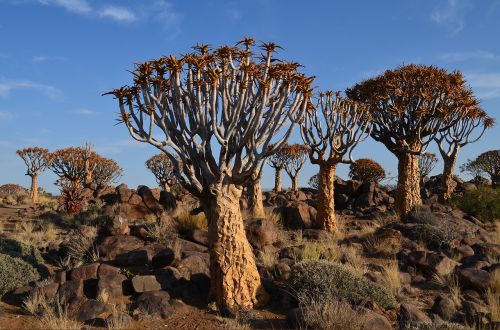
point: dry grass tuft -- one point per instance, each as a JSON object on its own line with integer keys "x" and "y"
{"x": 451, "y": 282}
{"x": 118, "y": 318}
{"x": 268, "y": 258}
{"x": 187, "y": 221}
{"x": 496, "y": 234}
{"x": 51, "y": 316}
{"x": 321, "y": 250}
{"x": 492, "y": 296}
{"x": 161, "y": 232}
{"x": 81, "y": 246}
{"x": 391, "y": 278}
{"x": 37, "y": 235}
{"x": 354, "y": 260}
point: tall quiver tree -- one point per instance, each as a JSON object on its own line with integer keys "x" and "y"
{"x": 277, "y": 161}
{"x": 37, "y": 160}
{"x": 218, "y": 111}
{"x": 332, "y": 129}
{"x": 451, "y": 140}
{"x": 163, "y": 170}
{"x": 295, "y": 157}
{"x": 409, "y": 106}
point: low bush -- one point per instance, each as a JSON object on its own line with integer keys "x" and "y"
{"x": 15, "y": 273}
{"x": 483, "y": 203}
{"x": 318, "y": 278}
{"x": 20, "y": 250}
{"x": 422, "y": 214}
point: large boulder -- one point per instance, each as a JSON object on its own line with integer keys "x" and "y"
{"x": 117, "y": 225}
{"x": 475, "y": 279}
{"x": 149, "y": 200}
{"x": 145, "y": 283}
{"x": 409, "y": 314}
{"x": 154, "y": 304}
{"x": 123, "y": 192}
{"x": 167, "y": 200}
{"x": 432, "y": 262}
{"x": 298, "y": 215}
{"x": 85, "y": 272}
{"x": 261, "y": 232}
{"x": 114, "y": 245}
{"x": 115, "y": 286}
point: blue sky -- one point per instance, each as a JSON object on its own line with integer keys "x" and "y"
{"x": 58, "y": 56}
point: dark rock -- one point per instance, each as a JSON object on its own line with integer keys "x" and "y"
{"x": 154, "y": 304}
{"x": 149, "y": 199}
{"x": 85, "y": 272}
{"x": 374, "y": 321}
{"x": 114, "y": 245}
{"x": 167, "y": 200}
{"x": 432, "y": 262}
{"x": 94, "y": 311}
{"x": 117, "y": 225}
{"x": 409, "y": 313}
{"x": 282, "y": 271}
{"x": 105, "y": 269}
{"x": 199, "y": 236}
{"x": 298, "y": 215}
{"x": 145, "y": 283}
{"x": 137, "y": 257}
{"x": 444, "y": 307}
{"x": 17, "y": 296}
{"x": 48, "y": 291}
{"x": 115, "y": 286}
{"x": 123, "y": 193}
{"x": 475, "y": 279}
{"x": 168, "y": 277}
{"x": 261, "y": 232}
{"x": 193, "y": 264}
{"x": 163, "y": 258}
{"x": 71, "y": 289}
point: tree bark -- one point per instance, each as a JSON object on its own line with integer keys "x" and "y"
{"x": 165, "y": 186}
{"x": 295, "y": 182}
{"x": 34, "y": 189}
{"x": 326, "y": 202}
{"x": 277, "y": 180}
{"x": 447, "y": 183}
{"x": 256, "y": 207}
{"x": 408, "y": 189}
{"x": 235, "y": 281}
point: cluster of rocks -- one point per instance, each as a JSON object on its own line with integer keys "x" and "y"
{"x": 432, "y": 185}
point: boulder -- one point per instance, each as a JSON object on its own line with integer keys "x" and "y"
{"x": 85, "y": 272}
{"x": 167, "y": 200}
{"x": 145, "y": 283}
{"x": 48, "y": 291}
{"x": 70, "y": 290}
{"x": 298, "y": 215}
{"x": 154, "y": 304}
{"x": 105, "y": 269}
{"x": 115, "y": 286}
{"x": 123, "y": 192}
{"x": 137, "y": 257}
{"x": 135, "y": 199}
{"x": 168, "y": 277}
{"x": 261, "y": 232}
{"x": 194, "y": 264}
{"x": 163, "y": 258}
{"x": 475, "y": 279}
{"x": 117, "y": 225}
{"x": 111, "y": 246}
{"x": 432, "y": 262}
{"x": 409, "y": 314}
{"x": 374, "y": 321}
{"x": 149, "y": 199}
{"x": 199, "y": 236}
{"x": 93, "y": 312}
{"x": 444, "y": 307}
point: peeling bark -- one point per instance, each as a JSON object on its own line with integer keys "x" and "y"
{"x": 326, "y": 202}
{"x": 447, "y": 183}
{"x": 34, "y": 189}
{"x": 235, "y": 281}
{"x": 277, "y": 180}
{"x": 408, "y": 189}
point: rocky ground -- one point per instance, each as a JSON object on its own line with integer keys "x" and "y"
{"x": 137, "y": 258}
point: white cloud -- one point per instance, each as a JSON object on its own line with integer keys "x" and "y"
{"x": 465, "y": 56}
{"x": 7, "y": 86}
{"x": 74, "y": 6}
{"x": 451, "y": 13}
{"x": 84, "y": 112}
{"x": 164, "y": 13}
{"x": 118, "y": 14}
{"x": 486, "y": 85}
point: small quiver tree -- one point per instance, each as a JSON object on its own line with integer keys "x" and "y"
{"x": 37, "y": 160}
{"x": 163, "y": 170}
{"x": 487, "y": 163}
{"x": 105, "y": 172}
{"x": 277, "y": 161}
{"x": 295, "y": 157}
{"x": 452, "y": 139}
{"x": 366, "y": 170}
{"x": 218, "y": 111}
{"x": 426, "y": 163}
{"x": 409, "y": 106}
{"x": 332, "y": 129}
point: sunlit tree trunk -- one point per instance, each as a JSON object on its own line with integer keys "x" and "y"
{"x": 277, "y": 180}
{"x": 295, "y": 182}
{"x": 408, "y": 189}
{"x": 34, "y": 189}
{"x": 326, "y": 202}
{"x": 235, "y": 281}
{"x": 256, "y": 205}
{"x": 447, "y": 182}
{"x": 165, "y": 187}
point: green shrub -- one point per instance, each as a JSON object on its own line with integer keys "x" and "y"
{"x": 319, "y": 278}
{"x": 27, "y": 253}
{"x": 422, "y": 214}
{"x": 14, "y": 273}
{"x": 483, "y": 203}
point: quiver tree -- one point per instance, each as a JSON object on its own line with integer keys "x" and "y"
{"x": 37, "y": 160}
{"x": 426, "y": 163}
{"x": 218, "y": 111}
{"x": 295, "y": 156}
{"x": 487, "y": 163}
{"x": 74, "y": 164}
{"x": 409, "y": 106}
{"x": 163, "y": 170}
{"x": 332, "y": 129}
{"x": 105, "y": 172}
{"x": 366, "y": 170}
{"x": 254, "y": 192}
{"x": 451, "y": 140}
{"x": 277, "y": 161}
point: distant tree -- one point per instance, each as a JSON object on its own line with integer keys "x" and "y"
{"x": 366, "y": 170}
{"x": 37, "y": 160}
{"x": 74, "y": 164}
{"x": 410, "y": 106}
{"x": 332, "y": 129}
{"x": 163, "y": 170}
{"x": 313, "y": 181}
{"x": 295, "y": 157}
{"x": 487, "y": 163}
{"x": 106, "y": 171}
{"x": 218, "y": 111}
{"x": 277, "y": 161}
{"x": 426, "y": 163}
{"x": 452, "y": 139}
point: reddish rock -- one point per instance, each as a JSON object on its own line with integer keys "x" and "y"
{"x": 154, "y": 304}
{"x": 145, "y": 283}
{"x": 149, "y": 200}
{"x": 475, "y": 279}
{"x": 261, "y": 232}
{"x": 85, "y": 272}
{"x": 117, "y": 225}
{"x": 71, "y": 289}
{"x": 432, "y": 262}
{"x": 105, "y": 269}
{"x": 114, "y": 245}
{"x": 298, "y": 215}
{"x": 115, "y": 286}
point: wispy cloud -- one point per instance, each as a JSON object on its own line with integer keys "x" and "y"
{"x": 84, "y": 112}
{"x": 7, "y": 86}
{"x": 43, "y": 58}
{"x": 117, "y": 13}
{"x": 451, "y": 14}
{"x": 165, "y": 14}
{"x": 471, "y": 55}
{"x": 74, "y": 6}
{"x": 486, "y": 85}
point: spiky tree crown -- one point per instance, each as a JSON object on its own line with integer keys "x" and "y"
{"x": 229, "y": 96}
{"x": 366, "y": 170}
{"x": 162, "y": 168}
{"x": 411, "y": 104}
{"x": 295, "y": 156}
{"x": 106, "y": 171}
{"x": 73, "y": 163}
{"x": 426, "y": 163}
{"x": 36, "y": 159}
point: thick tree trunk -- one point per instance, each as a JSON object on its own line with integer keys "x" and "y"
{"x": 447, "y": 183}
{"x": 256, "y": 206}
{"x": 326, "y": 203}
{"x": 408, "y": 189}
{"x": 235, "y": 281}
{"x": 277, "y": 180}
{"x": 295, "y": 182}
{"x": 34, "y": 189}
